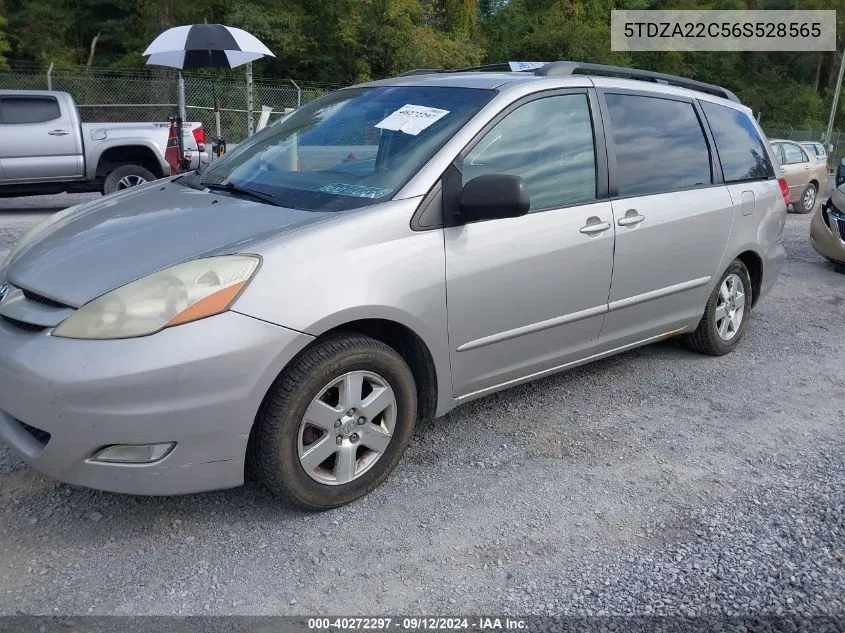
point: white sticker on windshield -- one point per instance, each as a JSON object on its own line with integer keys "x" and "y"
{"x": 412, "y": 119}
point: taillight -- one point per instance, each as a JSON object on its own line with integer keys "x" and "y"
{"x": 784, "y": 190}
{"x": 199, "y": 137}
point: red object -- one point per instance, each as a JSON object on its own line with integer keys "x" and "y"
{"x": 784, "y": 190}
{"x": 351, "y": 156}
{"x": 172, "y": 154}
{"x": 199, "y": 137}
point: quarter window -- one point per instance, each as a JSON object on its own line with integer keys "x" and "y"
{"x": 741, "y": 150}
{"x": 660, "y": 145}
{"x": 549, "y": 142}
{"x": 16, "y": 110}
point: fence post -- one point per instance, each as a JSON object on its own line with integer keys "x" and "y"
{"x": 180, "y": 88}
{"x": 835, "y": 103}
{"x": 298, "y": 93}
{"x": 50, "y": 77}
{"x": 250, "y": 122}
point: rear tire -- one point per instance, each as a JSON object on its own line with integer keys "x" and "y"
{"x": 717, "y": 333}
{"x": 278, "y": 446}
{"x": 126, "y": 176}
{"x": 807, "y": 201}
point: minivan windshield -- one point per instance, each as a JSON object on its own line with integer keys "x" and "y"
{"x": 350, "y": 148}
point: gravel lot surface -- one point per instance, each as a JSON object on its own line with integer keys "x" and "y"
{"x": 655, "y": 482}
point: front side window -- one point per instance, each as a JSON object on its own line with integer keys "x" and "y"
{"x": 548, "y": 142}
{"x": 741, "y": 150}
{"x": 660, "y": 145}
{"x": 792, "y": 154}
{"x": 16, "y": 110}
{"x": 351, "y": 148}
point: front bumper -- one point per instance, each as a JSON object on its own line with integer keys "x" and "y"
{"x": 826, "y": 240}
{"x": 199, "y": 385}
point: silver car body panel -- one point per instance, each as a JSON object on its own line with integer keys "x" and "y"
{"x": 495, "y": 303}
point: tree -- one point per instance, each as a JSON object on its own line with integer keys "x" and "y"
{"x": 5, "y": 47}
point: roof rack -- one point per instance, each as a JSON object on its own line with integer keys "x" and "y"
{"x": 579, "y": 68}
{"x": 420, "y": 71}
{"x": 501, "y": 66}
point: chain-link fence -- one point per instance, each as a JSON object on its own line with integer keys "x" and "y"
{"x": 114, "y": 95}
{"x": 837, "y": 140}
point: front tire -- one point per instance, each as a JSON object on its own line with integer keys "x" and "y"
{"x": 807, "y": 201}
{"x": 125, "y": 177}
{"x": 335, "y": 423}
{"x": 725, "y": 315}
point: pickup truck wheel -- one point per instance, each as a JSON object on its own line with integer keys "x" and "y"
{"x": 335, "y": 423}
{"x": 126, "y": 176}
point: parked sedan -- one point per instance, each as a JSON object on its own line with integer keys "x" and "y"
{"x": 805, "y": 176}
{"x": 827, "y": 228}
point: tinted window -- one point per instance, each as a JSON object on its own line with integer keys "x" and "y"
{"x": 660, "y": 145}
{"x": 549, "y": 142}
{"x": 29, "y": 109}
{"x": 793, "y": 154}
{"x": 741, "y": 150}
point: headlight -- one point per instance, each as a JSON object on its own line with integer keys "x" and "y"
{"x": 181, "y": 294}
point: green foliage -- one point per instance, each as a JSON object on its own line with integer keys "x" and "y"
{"x": 5, "y": 47}
{"x": 344, "y": 41}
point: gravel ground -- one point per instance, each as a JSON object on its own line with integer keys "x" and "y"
{"x": 655, "y": 482}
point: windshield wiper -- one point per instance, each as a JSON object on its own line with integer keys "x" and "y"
{"x": 231, "y": 187}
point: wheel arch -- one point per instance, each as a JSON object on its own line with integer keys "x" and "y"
{"x": 754, "y": 263}
{"x": 115, "y": 156}
{"x": 409, "y": 345}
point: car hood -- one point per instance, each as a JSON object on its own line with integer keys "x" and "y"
{"x": 124, "y": 237}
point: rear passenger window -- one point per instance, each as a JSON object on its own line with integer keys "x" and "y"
{"x": 660, "y": 145}
{"x": 549, "y": 142}
{"x": 16, "y": 110}
{"x": 741, "y": 150}
{"x": 793, "y": 154}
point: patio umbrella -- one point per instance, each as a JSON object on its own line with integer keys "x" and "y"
{"x": 205, "y": 46}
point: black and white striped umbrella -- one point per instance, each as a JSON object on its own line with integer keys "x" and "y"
{"x": 205, "y": 46}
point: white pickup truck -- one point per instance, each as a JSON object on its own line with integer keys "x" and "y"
{"x": 45, "y": 148}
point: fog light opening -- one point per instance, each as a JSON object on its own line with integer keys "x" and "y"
{"x": 133, "y": 453}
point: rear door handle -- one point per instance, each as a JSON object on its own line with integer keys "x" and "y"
{"x": 58, "y": 133}
{"x": 630, "y": 220}
{"x": 598, "y": 227}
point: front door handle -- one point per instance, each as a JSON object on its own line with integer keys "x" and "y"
{"x": 597, "y": 227}
{"x": 58, "y": 133}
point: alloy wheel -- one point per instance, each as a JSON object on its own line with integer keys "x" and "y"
{"x": 809, "y": 198}
{"x": 730, "y": 307}
{"x": 347, "y": 428}
{"x": 130, "y": 181}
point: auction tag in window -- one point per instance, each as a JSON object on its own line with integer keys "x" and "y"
{"x": 412, "y": 119}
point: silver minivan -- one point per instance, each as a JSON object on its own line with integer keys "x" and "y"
{"x": 386, "y": 253}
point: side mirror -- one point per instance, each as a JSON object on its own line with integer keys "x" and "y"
{"x": 494, "y": 196}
